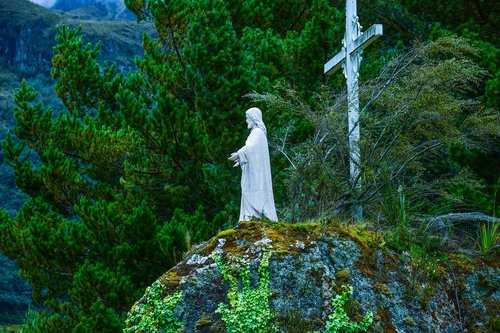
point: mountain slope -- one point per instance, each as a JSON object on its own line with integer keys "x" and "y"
{"x": 25, "y": 29}
{"x": 95, "y": 9}
{"x": 27, "y": 34}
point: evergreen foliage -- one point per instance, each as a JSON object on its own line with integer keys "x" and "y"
{"x": 82, "y": 240}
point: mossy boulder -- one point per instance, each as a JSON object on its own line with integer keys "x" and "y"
{"x": 309, "y": 265}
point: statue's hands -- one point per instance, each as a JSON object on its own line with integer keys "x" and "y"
{"x": 235, "y": 158}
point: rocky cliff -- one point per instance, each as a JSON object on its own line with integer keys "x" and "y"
{"x": 95, "y": 9}
{"x": 263, "y": 277}
{"x": 25, "y": 30}
{"x": 27, "y": 34}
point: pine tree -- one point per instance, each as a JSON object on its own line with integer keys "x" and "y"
{"x": 82, "y": 240}
{"x": 134, "y": 169}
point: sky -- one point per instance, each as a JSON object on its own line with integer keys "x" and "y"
{"x": 45, "y": 3}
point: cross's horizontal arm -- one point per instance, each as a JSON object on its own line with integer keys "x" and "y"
{"x": 335, "y": 63}
{"x": 368, "y": 37}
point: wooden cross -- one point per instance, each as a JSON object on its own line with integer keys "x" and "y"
{"x": 350, "y": 58}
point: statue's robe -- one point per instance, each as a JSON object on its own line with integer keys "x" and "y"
{"x": 257, "y": 199}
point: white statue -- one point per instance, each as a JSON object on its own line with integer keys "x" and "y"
{"x": 257, "y": 199}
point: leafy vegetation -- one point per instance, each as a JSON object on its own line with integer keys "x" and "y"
{"x": 423, "y": 104}
{"x": 423, "y": 269}
{"x": 248, "y": 309}
{"x": 488, "y": 236}
{"x": 156, "y": 314}
{"x": 338, "y": 321}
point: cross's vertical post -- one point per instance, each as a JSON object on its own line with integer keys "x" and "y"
{"x": 351, "y": 72}
{"x": 350, "y": 59}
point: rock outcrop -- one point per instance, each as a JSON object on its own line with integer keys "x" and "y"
{"x": 285, "y": 277}
{"x": 459, "y": 224}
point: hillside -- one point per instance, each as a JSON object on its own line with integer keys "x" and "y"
{"x": 95, "y": 9}
{"x": 287, "y": 275}
{"x": 27, "y": 35}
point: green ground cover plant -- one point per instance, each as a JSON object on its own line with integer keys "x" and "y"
{"x": 248, "y": 310}
{"x": 156, "y": 315}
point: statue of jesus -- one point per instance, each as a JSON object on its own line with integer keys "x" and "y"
{"x": 257, "y": 199}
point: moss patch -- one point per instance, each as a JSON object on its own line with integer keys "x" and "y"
{"x": 461, "y": 263}
{"x": 203, "y": 322}
{"x": 170, "y": 280}
{"x": 383, "y": 289}
{"x": 343, "y": 275}
{"x": 385, "y": 319}
{"x": 409, "y": 321}
{"x": 225, "y": 233}
{"x": 286, "y": 237}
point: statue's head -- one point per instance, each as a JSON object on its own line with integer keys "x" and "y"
{"x": 254, "y": 119}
